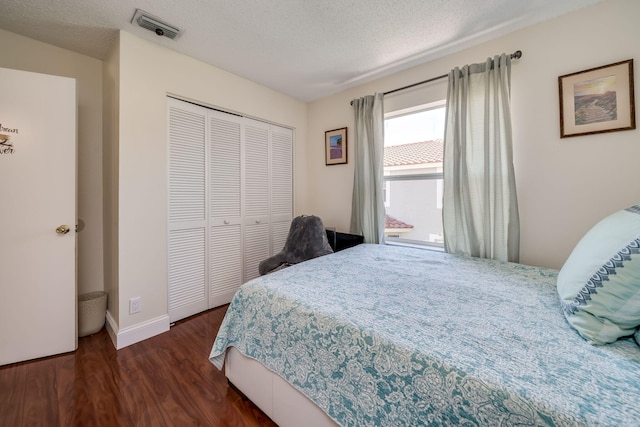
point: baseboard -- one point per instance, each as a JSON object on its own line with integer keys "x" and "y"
{"x": 112, "y": 329}
{"x": 124, "y": 337}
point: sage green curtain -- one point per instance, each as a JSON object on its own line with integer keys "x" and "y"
{"x": 480, "y": 206}
{"x": 367, "y": 207}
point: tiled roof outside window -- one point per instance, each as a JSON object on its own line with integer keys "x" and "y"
{"x": 416, "y": 153}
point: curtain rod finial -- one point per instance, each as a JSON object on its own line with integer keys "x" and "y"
{"x": 517, "y": 54}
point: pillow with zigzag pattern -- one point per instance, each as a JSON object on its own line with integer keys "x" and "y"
{"x": 599, "y": 284}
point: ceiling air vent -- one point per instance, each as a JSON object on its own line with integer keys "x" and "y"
{"x": 150, "y": 22}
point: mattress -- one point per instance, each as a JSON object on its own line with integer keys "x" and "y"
{"x": 384, "y": 335}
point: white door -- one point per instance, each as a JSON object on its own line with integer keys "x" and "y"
{"x": 230, "y": 203}
{"x": 281, "y": 186}
{"x": 37, "y": 196}
{"x": 205, "y": 255}
{"x": 256, "y": 196}
{"x": 187, "y": 209}
{"x": 225, "y": 206}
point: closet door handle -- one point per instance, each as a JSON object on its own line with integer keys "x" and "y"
{"x": 226, "y": 221}
{"x": 257, "y": 221}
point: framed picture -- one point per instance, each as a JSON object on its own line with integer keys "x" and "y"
{"x": 335, "y": 147}
{"x": 597, "y": 100}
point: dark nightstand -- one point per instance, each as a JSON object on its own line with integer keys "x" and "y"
{"x": 340, "y": 241}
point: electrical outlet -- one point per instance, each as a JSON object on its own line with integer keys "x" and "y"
{"x": 135, "y": 305}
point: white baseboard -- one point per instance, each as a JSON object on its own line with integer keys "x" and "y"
{"x": 124, "y": 337}
{"x": 112, "y": 329}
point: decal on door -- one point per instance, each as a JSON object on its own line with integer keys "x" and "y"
{"x": 6, "y": 146}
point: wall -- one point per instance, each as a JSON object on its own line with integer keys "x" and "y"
{"x": 111, "y": 97}
{"x": 564, "y": 185}
{"x": 147, "y": 73}
{"x": 26, "y": 54}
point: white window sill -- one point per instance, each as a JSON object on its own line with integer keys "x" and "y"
{"x": 415, "y": 245}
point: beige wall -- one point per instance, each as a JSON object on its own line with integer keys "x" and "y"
{"x": 26, "y": 54}
{"x": 564, "y": 185}
{"x": 111, "y": 96}
{"x": 147, "y": 73}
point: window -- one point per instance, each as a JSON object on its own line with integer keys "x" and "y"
{"x": 413, "y": 174}
{"x": 386, "y": 194}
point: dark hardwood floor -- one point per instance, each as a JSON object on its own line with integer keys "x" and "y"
{"x": 166, "y": 380}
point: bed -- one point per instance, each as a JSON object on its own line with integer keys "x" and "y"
{"x": 390, "y": 336}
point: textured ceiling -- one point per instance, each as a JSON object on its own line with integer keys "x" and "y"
{"x": 307, "y": 49}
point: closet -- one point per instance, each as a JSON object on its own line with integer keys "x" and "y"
{"x": 230, "y": 202}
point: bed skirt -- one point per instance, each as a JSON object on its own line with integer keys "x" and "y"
{"x": 285, "y": 405}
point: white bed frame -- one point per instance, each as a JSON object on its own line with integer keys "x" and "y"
{"x": 285, "y": 405}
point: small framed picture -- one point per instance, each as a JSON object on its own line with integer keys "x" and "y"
{"x": 335, "y": 146}
{"x": 597, "y": 100}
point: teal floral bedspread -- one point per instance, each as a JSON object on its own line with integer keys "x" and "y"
{"x": 391, "y": 336}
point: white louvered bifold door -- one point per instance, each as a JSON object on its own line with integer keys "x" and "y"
{"x": 256, "y": 196}
{"x": 281, "y": 186}
{"x": 187, "y": 210}
{"x": 225, "y": 198}
{"x": 230, "y": 203}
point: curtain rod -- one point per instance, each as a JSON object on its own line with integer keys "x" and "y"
{"x": 515, "y": 55}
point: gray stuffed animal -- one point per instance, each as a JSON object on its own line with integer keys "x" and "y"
{"x": 307, "y": 239}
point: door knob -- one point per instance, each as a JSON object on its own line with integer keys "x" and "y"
{"x": 63, "y": 229}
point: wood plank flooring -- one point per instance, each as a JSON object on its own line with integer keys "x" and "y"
{"x": 166, "y": 380}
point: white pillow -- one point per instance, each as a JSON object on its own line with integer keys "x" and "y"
{"x": 599, "y": 284}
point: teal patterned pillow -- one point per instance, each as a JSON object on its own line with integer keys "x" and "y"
{"x": 637, "y": 336}
{"x": 599, "y": 284}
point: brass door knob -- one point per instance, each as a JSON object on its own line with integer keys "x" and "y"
{"x": 63, "y": 229}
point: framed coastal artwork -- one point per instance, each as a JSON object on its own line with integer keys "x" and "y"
{"x": 335, "y": 146}
{"x": 597, "y": 100}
